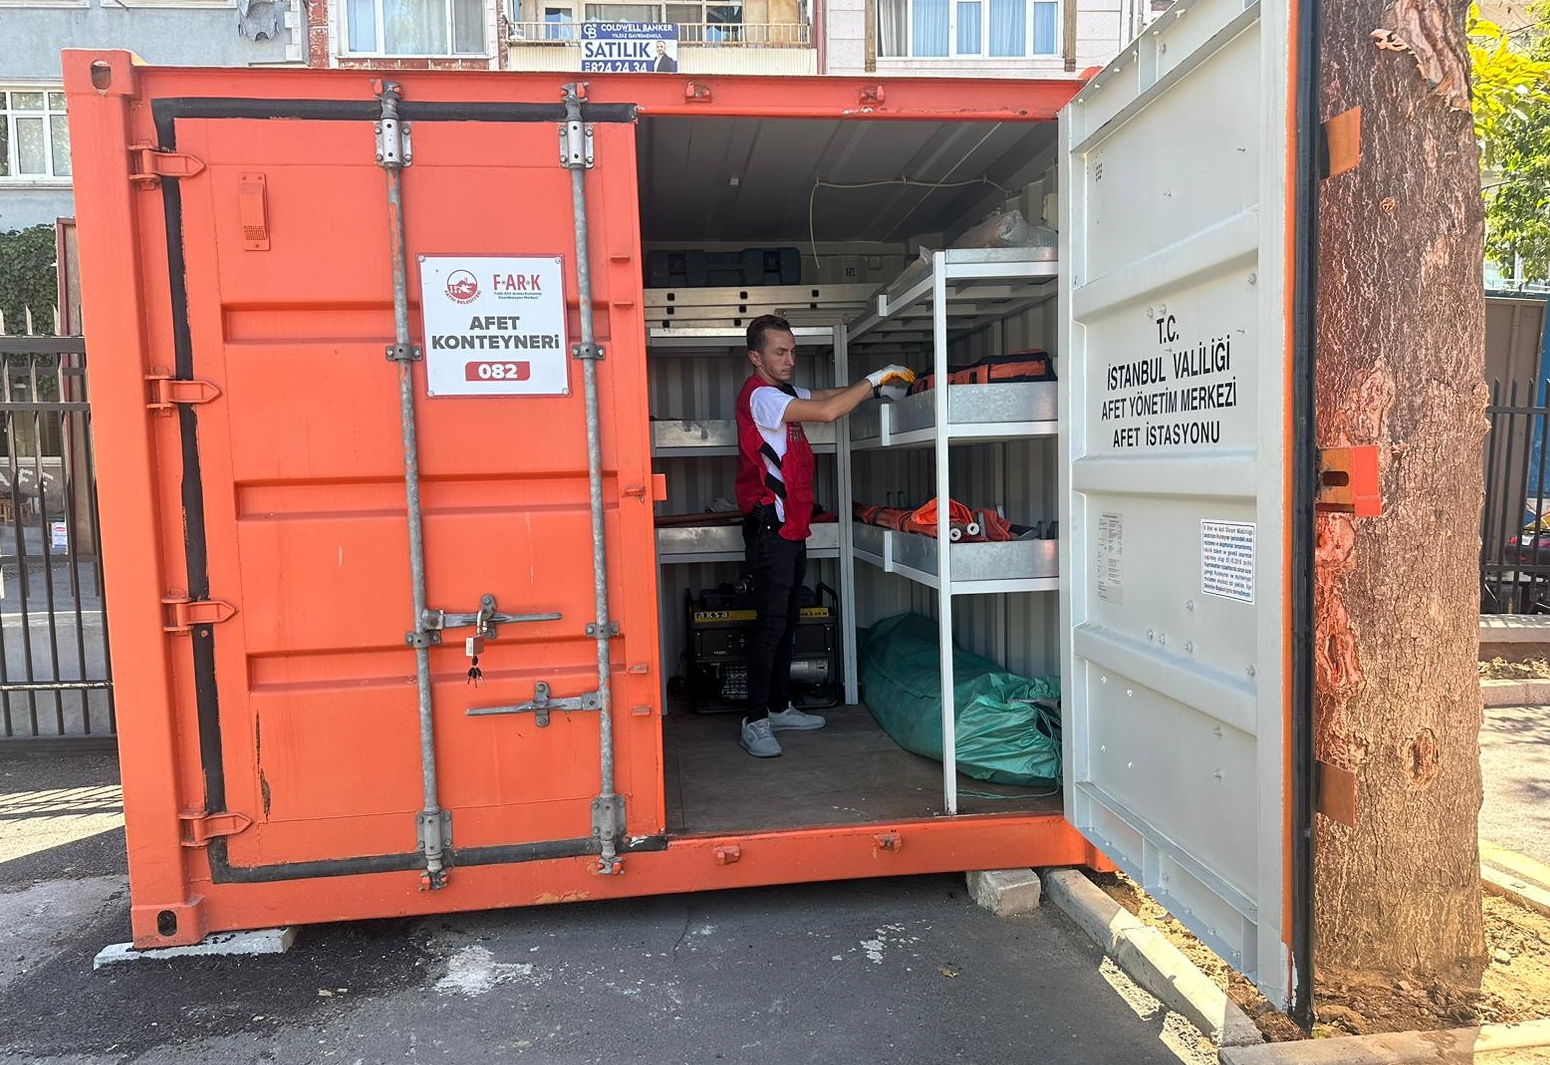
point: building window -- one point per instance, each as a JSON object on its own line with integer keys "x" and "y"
{"x": 947, "y": 29}
{"x": 415, "y": 27}
{"x": 721, "y": 16}
{"x": 560, "y": 23}
{"x": 34, "y": 136}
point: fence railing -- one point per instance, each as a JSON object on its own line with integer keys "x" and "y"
{"x": 55, "y": 678}
{"x": 707, "y": 34}
{"x": 1515, "y": 521}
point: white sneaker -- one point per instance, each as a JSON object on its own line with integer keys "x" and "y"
{"x": 758, "y": 739}
{"x": 793, "y": 720}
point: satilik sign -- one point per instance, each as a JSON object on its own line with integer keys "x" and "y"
{"x": 494, "y": 326}
{"x": 629, "y": 48}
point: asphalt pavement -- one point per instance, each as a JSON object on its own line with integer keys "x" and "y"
{"x": 896, "y": 971}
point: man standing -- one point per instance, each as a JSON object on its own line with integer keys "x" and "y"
{"x": 663, "y": 63}
{"x": 775, "y": 493}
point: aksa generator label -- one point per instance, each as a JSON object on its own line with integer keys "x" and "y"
{"x": 494, "y": 326}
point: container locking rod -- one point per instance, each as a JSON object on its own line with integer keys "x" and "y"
{"x": 608, "y": 819}
{"x": 432, "y": 824}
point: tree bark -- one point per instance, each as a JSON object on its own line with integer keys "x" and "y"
{"x": 1400, "y": 332}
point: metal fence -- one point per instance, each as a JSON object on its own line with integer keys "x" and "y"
{"x": 55, "y": 679}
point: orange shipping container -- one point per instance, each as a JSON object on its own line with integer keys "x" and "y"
{"x": 345, "y": 336}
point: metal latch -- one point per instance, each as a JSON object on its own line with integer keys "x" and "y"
{"x": 200, "y": 828}
{"x": 541, "y": 706}
{"x": 149, "y": 165}
{"x": 576, "y": 146}
{"x": 166, "y": 392}
{"x": 1348, "y": 481}
{"x": 486, "y": 621}
{"x": 183, "y": 613}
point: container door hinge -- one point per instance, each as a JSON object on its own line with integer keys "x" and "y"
{"x": 182, "y": 613}
{"x": 608, "y": 817}
{"x": 148, "y": 165}
{"x": 434, "y": 828}
{"x": 728, "y": 854}
{"x": 200, "y": 828}
{"x": 576, "y": 147}
{"x": 394, "y": 146}
{"x": 886, "y": 841}
{"x": 1348, "y": 481}
{"x": 167, "y": 392}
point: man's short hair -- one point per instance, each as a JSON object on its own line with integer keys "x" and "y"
{"x": 765, "y": 323}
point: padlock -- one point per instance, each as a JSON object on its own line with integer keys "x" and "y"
{"x": 473, "y": 646}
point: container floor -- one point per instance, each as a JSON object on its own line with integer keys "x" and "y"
{"x": 848, "y": 773}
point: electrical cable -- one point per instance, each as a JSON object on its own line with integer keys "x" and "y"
{"x": 930, "y": 186}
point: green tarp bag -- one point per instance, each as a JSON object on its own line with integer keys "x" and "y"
{"x": 1002, "y": 736}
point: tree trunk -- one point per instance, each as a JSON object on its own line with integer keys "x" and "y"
{"x": 1401, "y": 326}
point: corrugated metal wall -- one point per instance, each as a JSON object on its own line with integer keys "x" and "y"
{"x": 700, "y": 387}
{"x": 1019, "y": 631}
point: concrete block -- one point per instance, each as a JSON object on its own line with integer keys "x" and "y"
{"x": 217, "y": 944}
{"x": 1006, "y": 892}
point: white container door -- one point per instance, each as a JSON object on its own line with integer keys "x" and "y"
{"x": 1176, "y": 356}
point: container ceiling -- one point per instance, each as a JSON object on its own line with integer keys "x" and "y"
{"x": 744, "y": 180}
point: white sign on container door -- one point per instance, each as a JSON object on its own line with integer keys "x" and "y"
{"x": 494, "y": 325}
{"x": 1227, "y": 559}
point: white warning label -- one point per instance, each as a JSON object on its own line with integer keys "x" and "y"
{"x": 1227, "y": 559}
{"x": 1111, "y": 558}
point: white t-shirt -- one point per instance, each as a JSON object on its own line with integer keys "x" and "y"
{"x": 768, "y": 404}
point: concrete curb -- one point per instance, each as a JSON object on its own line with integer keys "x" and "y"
{"x": 1514, "y": 628}
{"x": 1150, "y": 960}
{"x": 1515, "y": 692}
{"x": 1516, "y": 877}
{"x": 1459, "y": 1046}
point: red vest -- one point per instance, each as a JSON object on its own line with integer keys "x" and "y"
{"x": 755, "y": 483}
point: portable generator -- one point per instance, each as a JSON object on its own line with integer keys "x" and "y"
{"x": 720, "y": 624}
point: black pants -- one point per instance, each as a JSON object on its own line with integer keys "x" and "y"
{"x": 777, "y": 566}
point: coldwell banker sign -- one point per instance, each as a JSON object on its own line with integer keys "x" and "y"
{"x": 629, "y": 47}
{"x": 494, "y": 326}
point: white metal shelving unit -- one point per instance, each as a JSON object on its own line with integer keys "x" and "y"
{"x": 961, "y": 291}
{"x": 717, "y": 438}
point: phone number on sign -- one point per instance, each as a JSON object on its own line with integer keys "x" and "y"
{"x": 497, "y": 371}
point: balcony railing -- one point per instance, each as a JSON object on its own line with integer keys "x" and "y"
{"x": 699, "y": 34}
